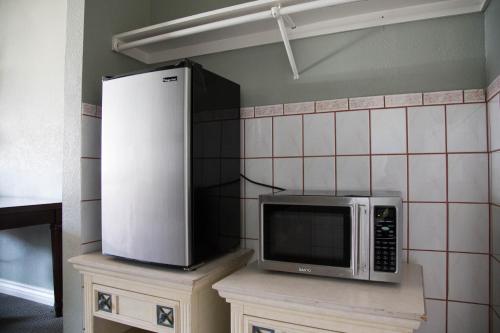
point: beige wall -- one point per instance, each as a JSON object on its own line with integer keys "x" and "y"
{"x": 32, "y": 39}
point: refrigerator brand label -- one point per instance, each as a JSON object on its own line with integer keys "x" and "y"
{"x": 170, "y": 78}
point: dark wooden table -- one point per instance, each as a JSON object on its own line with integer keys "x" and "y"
{"x": 25, "y": 212}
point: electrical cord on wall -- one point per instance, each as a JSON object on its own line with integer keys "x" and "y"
{"x": 247, "y": 179}
{"x": 262, "y": 184}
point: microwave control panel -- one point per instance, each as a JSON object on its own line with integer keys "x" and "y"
{"x": 385, "y": 254}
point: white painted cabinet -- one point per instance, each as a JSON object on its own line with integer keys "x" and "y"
{"x": 122, "y": 296}
{"x": 274, "y": 302}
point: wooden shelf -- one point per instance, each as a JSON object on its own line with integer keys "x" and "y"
{"x": 253, "y": 23}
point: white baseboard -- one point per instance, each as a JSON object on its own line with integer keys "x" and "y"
{"x": 31, "y": 293}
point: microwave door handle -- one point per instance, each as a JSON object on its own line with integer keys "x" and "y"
{"x": 362, "y": 237}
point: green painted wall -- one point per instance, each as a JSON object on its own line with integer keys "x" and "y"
{"x": 103, "y": 19}
{"x": 162, "y": 10}
{"x": 492, "y": 40}
{"x": 439, "y": 54}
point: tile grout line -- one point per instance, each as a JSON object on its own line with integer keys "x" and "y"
{"x": 488, "y": 148}
{"x": 303, "y": 153}
{"x": 447, "y": 213}
{"x": 407, "y": 187}
{"x": 335, "y": 151}
{"x": 370, "y": 148}
{"x": 244, "y": 183}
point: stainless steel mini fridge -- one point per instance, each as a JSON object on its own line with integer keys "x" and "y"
{"x": 170, "y": 165}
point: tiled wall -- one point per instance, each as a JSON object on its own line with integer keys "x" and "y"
{"x": 494, "y": 148}
{"x": 432, "y": 147}
{"x": 91, "y": 178}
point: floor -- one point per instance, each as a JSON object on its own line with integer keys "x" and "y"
{"x": 21, "y": 316}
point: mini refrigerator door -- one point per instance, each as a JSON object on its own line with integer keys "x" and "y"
{"x": 146, "y": 167}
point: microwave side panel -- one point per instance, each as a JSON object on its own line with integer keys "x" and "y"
{"x": 145, "y": 167}
{"x": 398, "y": 204}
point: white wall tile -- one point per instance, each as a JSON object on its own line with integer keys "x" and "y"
{"x": 91, "y": 179}
{"x": 259, "y": 170}
{"x": 353, "y": 173}
{"x": 466, "y": 127}
{"x": 91, "y": 247}
{"x": 389, "y": 174}
{"x": 288, "y": 173}
{"x": 443, "y": 97}
{"x": 495, "y": 284}
{"x": 247, "y": 112}
{"x": 258, "y": 137}
{"x": 352, "y": 132}
{"x": 494, "y": 119}
{"x": 495, "y": 231}
{"x": 288, "y": 136}
{"x": 468, "y": 228}
{"x": 269, "y": 110}
{"x": 242, "y": 138}
{"x": 468, "y": 276}
{"x": 370, "y": 102}
{"x": 495, "y": 177}
{"x": 388, "y": 130}
{"x": 91, "y": 221}
{"x": 434, "y": 269}
{"x": 252, "y": 218}
{"x": 242, "y": 219}
{"x": 427, "y": 226}
{"x": 319, "y": 134}
{"x": 299, "y": 108}
{"x": 467, "y": 318}
{"x": 436, "y": 317}
{"x": 254, "y": 245}
{"x": 474, "y": 96}
{"x": 403, "y": 100}
{"x": 332, "y": 105}
{"x": 319, "y": 173}
{"x": 468, "y": 177}
{"x": 91, "y": 137}
{"x": 426, "y": 129}
{"x": 427, "y": 178}
{"x": 405, "y": 225}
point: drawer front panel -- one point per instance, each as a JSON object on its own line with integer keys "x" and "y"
{"x": 136, "y": 309}
{"x": 260, "y": 325}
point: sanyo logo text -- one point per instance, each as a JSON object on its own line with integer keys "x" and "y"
{"x": 305, "y": 269}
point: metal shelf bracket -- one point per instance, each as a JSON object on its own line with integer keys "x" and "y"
{"x": 275, "y": 11}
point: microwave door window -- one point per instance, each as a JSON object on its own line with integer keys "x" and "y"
{"x": 315, "y": 235}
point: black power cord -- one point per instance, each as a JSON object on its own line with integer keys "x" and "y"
{"x": 261, "y": 184}
{"x": 247, "y": 179}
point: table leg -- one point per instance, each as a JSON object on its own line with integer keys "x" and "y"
{"x": 56, "y": 237}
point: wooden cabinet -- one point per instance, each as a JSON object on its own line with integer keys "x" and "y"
{"x": 122, "y": 296}
{"x": 274, "y": 302}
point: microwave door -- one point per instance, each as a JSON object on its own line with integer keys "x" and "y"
{"x": 309, "y": 239}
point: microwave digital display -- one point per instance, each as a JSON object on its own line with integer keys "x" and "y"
{"x": 317, "y": 235}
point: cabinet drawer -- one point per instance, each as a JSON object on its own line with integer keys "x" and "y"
{"x": 136, "y": 309}
{"x": 260, "y": 325}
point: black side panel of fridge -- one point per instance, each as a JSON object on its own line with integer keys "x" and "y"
{"x": 215, "y": 173}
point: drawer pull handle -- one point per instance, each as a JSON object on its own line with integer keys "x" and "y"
{"x": 104, "y": 302}
{"x": 165, "y": 316}
{"x": 256, "y": 329}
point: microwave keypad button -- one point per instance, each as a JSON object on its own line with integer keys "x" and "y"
{"x": 385, "y": 250}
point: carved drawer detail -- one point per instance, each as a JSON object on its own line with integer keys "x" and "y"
{"x": 136, "y": 309}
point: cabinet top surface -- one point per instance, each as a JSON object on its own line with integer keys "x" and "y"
{"x": 97, "y": 262}
{"x": 404, "y": 300}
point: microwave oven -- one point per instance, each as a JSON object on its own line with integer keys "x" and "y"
{"x": 347, "y": 235}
